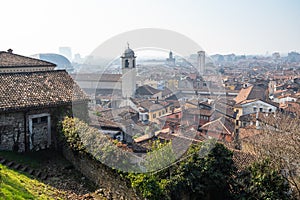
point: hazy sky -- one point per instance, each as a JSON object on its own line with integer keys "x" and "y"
{"x": 224, "y": 26}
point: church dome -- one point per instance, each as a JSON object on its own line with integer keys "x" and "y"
{"x": 128, "y": 52}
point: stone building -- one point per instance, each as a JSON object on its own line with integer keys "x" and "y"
{"x": 32, "y": 103}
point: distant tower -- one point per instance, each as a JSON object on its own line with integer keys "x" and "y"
{"x": 170, "y": 61}
{"x": 128, "y": 73}
{"x": 171, "y": 55}
{"x": 201, "y": 62}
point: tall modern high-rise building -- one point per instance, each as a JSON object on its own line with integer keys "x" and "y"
{"x": 66, "y": 51}
{"x": 201, "y": 62}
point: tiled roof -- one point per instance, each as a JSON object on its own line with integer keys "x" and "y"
{"x": 97, "y": 77}
{"x": 166, "y": 92}
{"x": 249, "y": 93}
{"x": 257, "y": 92}
{"x": 249, "y": 132}
{"x": 221, "y": 125}
{"x": 255, "y": 100}
{"x": 197, "y": 111}
{"x": 146, "y": 90}
{"x": 38, "y": 89}
{"x": 143, "y": 138}
{"x": 193, "y": 102}
{"x": 14, "y": 60}
{"x": 291, "y": 107}
{"x": 225, "y": 110}
{"x": 152, "y": 106}
{"x": 243, "y": 94}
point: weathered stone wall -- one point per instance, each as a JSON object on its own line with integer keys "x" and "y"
{"x": 13, "y": 128}
{"x": 104, "y": 177}
{"x": 12, "y": 131}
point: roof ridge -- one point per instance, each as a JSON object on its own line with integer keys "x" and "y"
{"x": 40, "y": 62}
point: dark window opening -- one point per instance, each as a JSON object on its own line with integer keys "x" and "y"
{"x": 35, "y": 120}
{"x": 44, "y": 119}
{"x": 126, "y": 64}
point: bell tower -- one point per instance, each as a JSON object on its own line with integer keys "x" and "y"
{"x": 201, "y": 62}
{"x": 128, "y": 73}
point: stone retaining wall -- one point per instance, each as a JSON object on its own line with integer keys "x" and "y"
{"x": 104, "y": 177}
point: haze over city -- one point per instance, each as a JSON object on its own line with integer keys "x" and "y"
{"x": 156, "y": 100}
{"x": 240, "y": 27}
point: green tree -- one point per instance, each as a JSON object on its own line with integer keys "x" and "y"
{"x": 70, "y": 129}
{"x": 149, "y": 185}
{"x": 208, "y": 177}
{"x": 261, "y": 181}
{"x": 160, "y": 156}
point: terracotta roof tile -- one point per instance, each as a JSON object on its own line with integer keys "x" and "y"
{"x": 243, "y": 94}
{"x": 146, "y": 90}
{"x": 249, "y": 93}
{"x": 166, "y": 92}
{"x": 197, "y": 111}
{"x": 14, "y": 60}
{"x": 97, "y": 77}
{"x": 38, "y": 89}
{"x": 152, "y": 106}
{"x": 221, "y": 125}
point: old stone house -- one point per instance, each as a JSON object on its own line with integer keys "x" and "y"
{"x": 33, "y": 101}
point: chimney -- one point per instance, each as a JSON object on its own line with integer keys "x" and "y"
{"x": 9, "y": 50}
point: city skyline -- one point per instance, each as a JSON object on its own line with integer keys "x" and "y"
{"x": 240, "y": 27}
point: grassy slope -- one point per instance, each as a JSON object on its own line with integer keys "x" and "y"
{"x": 15, "y": 185}
{"x": 31, "y": 159}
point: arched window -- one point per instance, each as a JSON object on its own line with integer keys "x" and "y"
{"x": 126, "y": 63}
